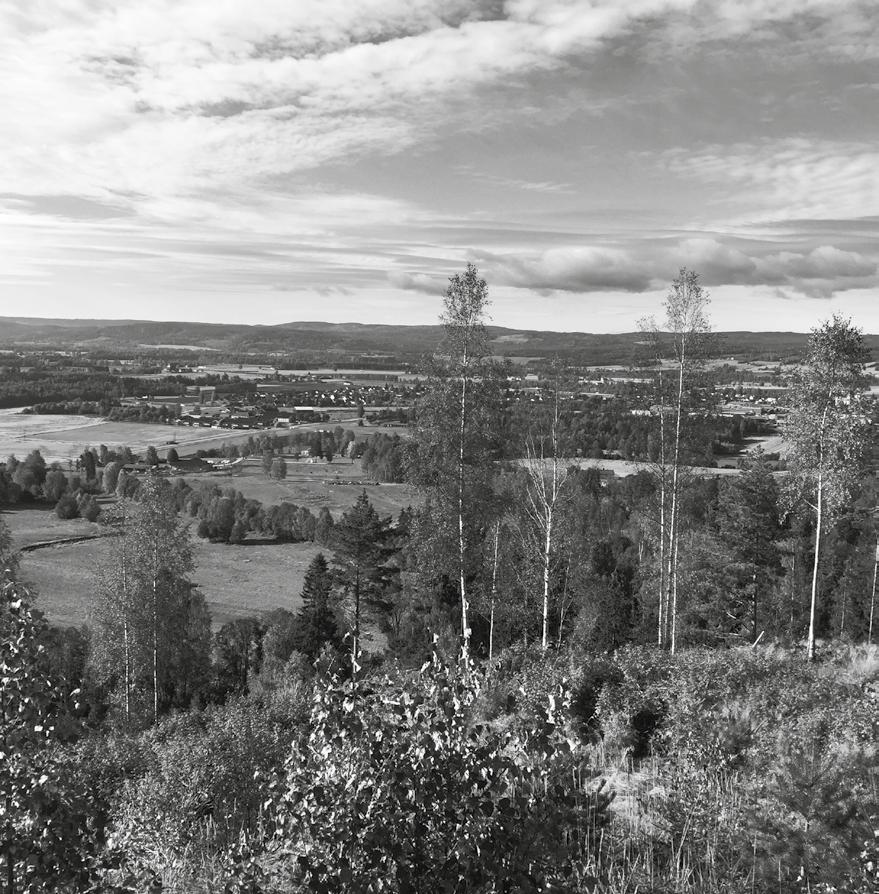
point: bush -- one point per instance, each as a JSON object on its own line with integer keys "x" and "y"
{"x": 88, "y": 507}
{"x": 67, "y": 507}
{"x": 595, "y": 675}
{"x": 397, "y": 788}
{"x": 201, "y": 785}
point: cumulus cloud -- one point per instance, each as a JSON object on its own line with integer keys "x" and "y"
{"x": 573, "y": 269}
{"x": 823, "y": 270}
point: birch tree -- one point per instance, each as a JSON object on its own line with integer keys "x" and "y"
{"x": 146, "y": 612}
{"x": 684, "y": 343}
{"x": 118, "y": 649}
{"x": 827, "y": 431}
{"x": 456, "y": 447}
{"x": 654, "y": 359}
{"x": 546, "y": 477}
{"x": 463, "y": 319}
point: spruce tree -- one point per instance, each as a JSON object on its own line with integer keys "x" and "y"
{"x": 315, "y": 622}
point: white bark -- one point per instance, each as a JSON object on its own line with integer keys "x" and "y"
{"x": 673, "y": 521}
{"x": 497, "y": 532}
{"x": 819, "y": 521}
{"x": 873, "y": 597}
{"x": 465, "y": 627}
{"x": 544, "y": 491}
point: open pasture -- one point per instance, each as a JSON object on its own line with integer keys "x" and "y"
{"x": 335, "y": 485}
{"x": 247, "y": 579}
{"x": 37, "y": 523}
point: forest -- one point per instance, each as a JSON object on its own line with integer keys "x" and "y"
{"x": 541, "y": 678}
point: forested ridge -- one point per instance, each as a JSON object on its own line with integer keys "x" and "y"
{"x": 659, "y": 683}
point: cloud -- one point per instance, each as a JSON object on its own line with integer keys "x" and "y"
{"x": 823, "y": 270}
{"x": 791, "y": 177}
{"x": 825, "y": 262}
{"x": 571, "y": 146}
{"x": 417, "y": 282}
{"x": 571, "y": 269}
{"x": 180, "y": 95}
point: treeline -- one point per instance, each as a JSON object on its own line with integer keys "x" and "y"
{"x": 75, "y": 407}
{"x": 55, "y": 387}
{"x": 142, "y": 413}
{"x": 626, "y": 429}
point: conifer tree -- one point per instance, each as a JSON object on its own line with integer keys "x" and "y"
{"x": 362, "y": 543}
{"x": 315, "y": 623}
{"x": 749, "y": 526}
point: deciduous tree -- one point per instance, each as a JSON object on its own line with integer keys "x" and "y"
{"x": 685, "y": 340}
{"x": 827, "y": 430}
{"x": 149, "y": 623}
{"x": 456, "y": 435}
{"x": 44, "y": 838}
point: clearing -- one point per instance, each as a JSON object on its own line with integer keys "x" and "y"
{"x": 247, "y": 579}
{"x": 335, "y": 485}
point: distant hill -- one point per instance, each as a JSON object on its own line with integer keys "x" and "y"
{"x": 397, "y": 342}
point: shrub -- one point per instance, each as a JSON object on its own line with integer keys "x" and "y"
{"x": 67, "y": 507}
{"x": 398, "y": 789}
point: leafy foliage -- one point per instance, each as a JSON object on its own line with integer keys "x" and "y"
{"x": 46, "y": 833}
{"x": 401, "y": 788}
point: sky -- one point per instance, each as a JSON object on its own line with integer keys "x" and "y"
{"x": 277, "y": 160}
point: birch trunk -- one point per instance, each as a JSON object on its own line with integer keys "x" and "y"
{"x": 465, "y": 627}
{"x": 873, "y": 598}
{"x": 497, "y": 532}
{"x": 673, "y": 521}
{"x": 547, "y": 552}
{"x": 810, "y": 653}
{"x": 660, "y": 639}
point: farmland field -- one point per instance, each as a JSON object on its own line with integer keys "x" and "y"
{"x": 335, "y": 485}
{"x": 248, "y": 579}
{"x": 36, "y": 523}
{"x": 62, "y": 438}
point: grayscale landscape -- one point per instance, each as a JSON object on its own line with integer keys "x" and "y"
{"x": 438, "y": 447}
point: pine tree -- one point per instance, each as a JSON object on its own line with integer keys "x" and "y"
{"x": 362, "y": 543}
